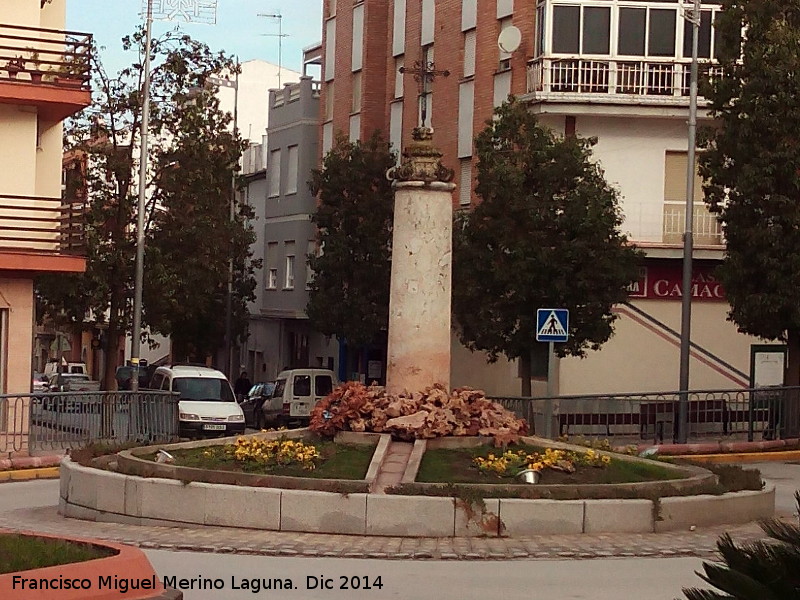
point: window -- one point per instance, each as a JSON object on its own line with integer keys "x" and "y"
{"x": 327, "y": 138}
{"x": 540, "y": 31}
{"x": 356, "y": 107}
{"x": 329, "y": 91}
{"x": 465, "y": 182}
{"x": 504, "y": 8}
{"x": 661, "y": 37}
{"x": 469, "y": 53}
{"x": 291, "y": 170}
{"x": 566, "y": 29}
{"x": 466, "y": 102}
{"x": 272, "y": 265}
{"x": 355, "y": 127}
{"x": 704, "y": 37}
{"x": 288, "y": 282}
{"x": 312, "y": 252}
{"x": 398, "y": 77}
{"x": 399, "y": 27}
{"x": 396, "y": 127}
{"x": 579, "y": 30}
{"x": 503, "y": 55}
{"x": 274, "y": 173}
{"x": 428, "y": 19}
{"x": 330, "y": 49}
{"x": 358, "y": 37}
{"x": 675, "y": 167}
{"x": 203, "y": 388}
{"x": 302, "y": 385}
{"x": 469, "y": 14}
{"x": 323, "y": 384}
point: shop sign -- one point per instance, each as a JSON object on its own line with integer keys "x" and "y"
{"x": 666, "y": 283}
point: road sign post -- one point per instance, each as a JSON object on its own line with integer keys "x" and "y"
{"x": 552, "y": 325}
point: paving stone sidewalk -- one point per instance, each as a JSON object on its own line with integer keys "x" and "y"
{"x": 698, "y": 543}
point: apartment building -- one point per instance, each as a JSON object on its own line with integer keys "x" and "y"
{"x": 280, "y": 335}
{"x": 44, "y": 78}
{"x": 617, "y": 70}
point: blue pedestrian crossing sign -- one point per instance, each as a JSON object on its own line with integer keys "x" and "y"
{"x": 552, "y": 325}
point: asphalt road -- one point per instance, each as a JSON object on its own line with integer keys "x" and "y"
{"x": 605, "y": 579}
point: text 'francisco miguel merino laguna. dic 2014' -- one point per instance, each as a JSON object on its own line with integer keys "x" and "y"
{"x": 255, "y": 585}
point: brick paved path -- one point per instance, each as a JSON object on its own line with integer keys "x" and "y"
{"x": 700, "y": 543}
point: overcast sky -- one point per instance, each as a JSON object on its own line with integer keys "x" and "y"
{"x": 239, "y": 29}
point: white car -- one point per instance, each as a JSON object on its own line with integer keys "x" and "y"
{"x": 206, "y": 406}
{"x": 296, "y": 393}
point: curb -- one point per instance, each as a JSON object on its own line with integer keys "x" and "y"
{"x": 29, "y": 474}
{"x": 746, "y": 457}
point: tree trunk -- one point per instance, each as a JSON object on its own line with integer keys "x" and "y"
{"x": 790, "y": 419}
{"x": 525, "y": 373}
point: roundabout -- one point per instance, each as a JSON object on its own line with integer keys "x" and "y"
{"x": 131, "y": 488}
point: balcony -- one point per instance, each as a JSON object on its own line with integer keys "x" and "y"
{"x": 46, "y": 68}
{"x": 42, "y": 234}
{"x": 612, "y": 81}
{"x": 706, "y": 229}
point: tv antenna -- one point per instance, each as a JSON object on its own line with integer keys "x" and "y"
{"x": 280, "y": 35}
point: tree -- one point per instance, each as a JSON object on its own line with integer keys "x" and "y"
{"x": 192, "y": 235}
{"x": 108, "y": 134}
{"x": 750, "y": 162}
{"x": 349, "y": 294}
{"x": 763, "y": 570}
{"x": 545, "y": 234}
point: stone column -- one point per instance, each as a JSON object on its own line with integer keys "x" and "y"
{"x": 420, "y": 297}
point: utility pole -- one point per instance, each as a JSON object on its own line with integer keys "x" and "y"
{"x": 280, "y": 35}
{"x": 136, "y": 334}
{"x": 688, "y": 239}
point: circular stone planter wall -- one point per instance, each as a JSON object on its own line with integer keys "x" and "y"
{"x": 102, "y": 495}
{"x": 104, "y": 576}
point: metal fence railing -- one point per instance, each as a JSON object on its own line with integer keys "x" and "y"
{"x": 63, "y": 420}
{"x": 765, "y": 413}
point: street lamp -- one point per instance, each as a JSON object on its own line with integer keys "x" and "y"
{"x": 688, "y": 241}
{"x": 136, "y": 334}
{"x": 227, "y": 82}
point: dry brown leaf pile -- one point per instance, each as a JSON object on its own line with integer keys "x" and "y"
{"x": 432, "y": 413}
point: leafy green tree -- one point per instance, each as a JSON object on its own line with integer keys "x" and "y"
{"x": 763, "y": 570}
{"x": 751, "y": 164}
{"x": 545, "y": 234}
{"x": 108, "y": 135}
{"x": 192, "y": 235}
{"x": 349, "y": 294}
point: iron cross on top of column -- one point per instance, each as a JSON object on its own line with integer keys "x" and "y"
{"x": 424, "y": 73}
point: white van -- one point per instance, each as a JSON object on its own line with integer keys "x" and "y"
{"x": 206, "y": 406}
{"x": 296, "y": 392}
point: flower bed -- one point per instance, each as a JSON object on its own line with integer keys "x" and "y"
{"x": 23, "y": 552}
{"x": 486, "y": 465}
{"x": 290, "y": 458}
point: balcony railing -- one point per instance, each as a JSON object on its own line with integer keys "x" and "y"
{"x": 49, "y": 56}
{"x": 706, "y": 229}
{"x": 42, "y": 225}
{"x": 625, "y": 78}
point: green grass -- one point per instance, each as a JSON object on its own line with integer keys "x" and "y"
{"x": 24, "y": 552}
{"x": 338, "y": 461}
{"x": 455, "y": 466}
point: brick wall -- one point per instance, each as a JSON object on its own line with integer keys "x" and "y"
{"x": 379, "y": 65}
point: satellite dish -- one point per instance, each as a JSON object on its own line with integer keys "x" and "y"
{"x": 509, "y": 39}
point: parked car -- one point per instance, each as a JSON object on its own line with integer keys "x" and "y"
{"x": 296, "y": 392}
{"x": 124, "y": 375}
{"x": 39, "y": 383}
{"x": 206, "y": 406}
{"x": 253, "y": 401}
{"x": 54, "y": 366}
{"x": 71, "y": 382}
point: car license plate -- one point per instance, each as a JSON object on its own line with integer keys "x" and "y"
{"x": 301, "y": 410}
{"x": 212, "y": 427}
